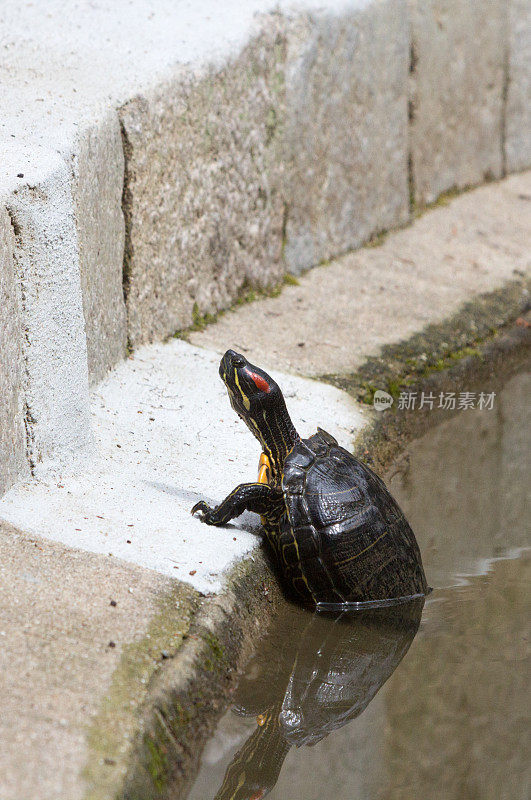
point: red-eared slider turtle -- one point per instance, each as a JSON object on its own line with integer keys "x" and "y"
{"x": 337, "y": 533}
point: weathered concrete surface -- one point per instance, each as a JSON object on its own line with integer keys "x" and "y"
{"x": 94, "y": 651}
{"x": 205, "y": 189}
{"x": 55, "y": 383}
{"x": 518, "y": 101}
{"x": 239, "y": 158}
{"x": 62, "y": 154}
{"x": 342, "y": 312}
{"x": 457, "y": 84}
{"x": 13, "y": 463}
{"x": 63, "y": 76}
{"x": 291, "y": 153}
{"x": 203, "y": 203}
{"x": 56, "y": 625}
{"x": 346, "y": 130}
{"x": 166, "y": 437}
{"x": 97, "y": 191}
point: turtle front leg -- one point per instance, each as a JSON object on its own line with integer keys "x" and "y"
{"x": 257, "y": 497}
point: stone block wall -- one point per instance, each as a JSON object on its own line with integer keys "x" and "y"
{"x": 313, "y": 133}
{"x": 203, "y": 202}
{"x": 517, "y": 136}
{"x": 346, "y": 143}
{"x": 457, "y": 94}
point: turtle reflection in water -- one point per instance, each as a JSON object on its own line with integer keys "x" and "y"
{"x": 337, "y": 534}
{"x": 312, "y": 675}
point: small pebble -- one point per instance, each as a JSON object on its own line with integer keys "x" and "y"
{"x": 20, "y": 175}
{"x": 112, "y": 644}
{"x": 113, "y": 603}
{"x": 164, "y": 654}
{"x": 192, "y": 572}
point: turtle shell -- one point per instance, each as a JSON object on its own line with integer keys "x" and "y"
{"x": 343, "y": 537}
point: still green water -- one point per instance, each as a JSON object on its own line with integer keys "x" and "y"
{"x": 425, "y": 699}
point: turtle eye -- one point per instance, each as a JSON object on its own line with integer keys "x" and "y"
{"x": 238, "y": 361}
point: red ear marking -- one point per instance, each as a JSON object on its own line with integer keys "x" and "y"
{"x": 259, "y": 382}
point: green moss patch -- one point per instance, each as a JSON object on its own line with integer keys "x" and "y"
{"x": 247, "y": 294}
{"x": 158, "y": 754}
{"x": 437, "y": 348}
{"x": 114, "y": 727}
{"x": 490, "y": 345}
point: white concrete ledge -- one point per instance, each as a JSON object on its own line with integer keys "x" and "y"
{"x": 46, "y": 256}
{"x": 167, "y": 437}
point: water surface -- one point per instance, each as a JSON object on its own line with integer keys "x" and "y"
{"x": 421, "y": 700}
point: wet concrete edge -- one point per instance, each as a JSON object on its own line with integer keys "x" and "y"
{"x": 156, "y": 753}
{"x": 154, "y": 749}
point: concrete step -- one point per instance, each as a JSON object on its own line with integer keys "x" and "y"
{"x": 165, "y": 438}
{"x": 161, "y": 423}
{"x": 222, "y": 152}
{"x": 67, "y": 619}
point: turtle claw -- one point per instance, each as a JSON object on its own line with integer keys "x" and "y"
{"x": 202, "y": 507}
{"x": 205, "y": 513}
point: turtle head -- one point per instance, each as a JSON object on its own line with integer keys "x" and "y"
{"x": 251, "y": 390}
{"x": 258, "y": 400}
